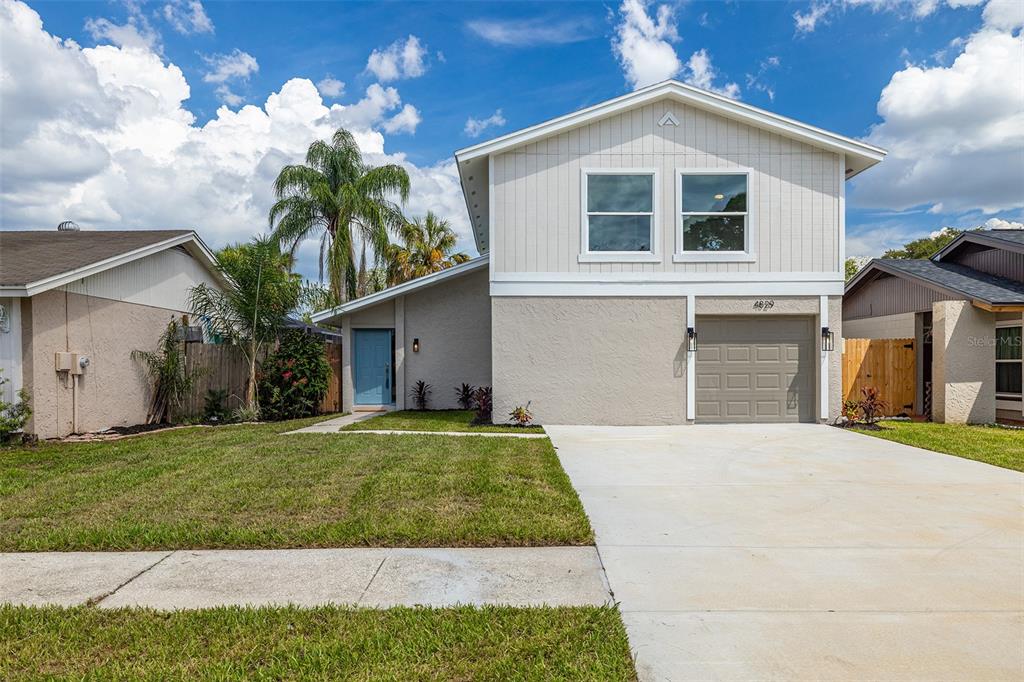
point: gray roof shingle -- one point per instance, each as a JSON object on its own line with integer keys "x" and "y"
{"x": 959, "y": 278}
{"x": 30, "y": 256}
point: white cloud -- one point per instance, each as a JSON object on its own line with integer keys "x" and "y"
{"x": 643, "y": 45}
{"x": 1004, "y": 15}
{"x": 819, "y": 11}
{"x": 136, "y": 32}
{"x": 405, "y": 121}
{"x": 187, "y": 17}
{"x": 132, "y": 156}
{"x": 475, "y": 126}
{"x": 237, "y": 65}
{"x": 527, "y": 32}
{"x": 398, "y": 60}
{"x": 1000, "y": 224}
{"x": 702, "y": 73}
{"x": 954, "y": 133}
{"x": 330, "y": 87}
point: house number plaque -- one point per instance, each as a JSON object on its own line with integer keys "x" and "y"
{"x": 764, "y": 304}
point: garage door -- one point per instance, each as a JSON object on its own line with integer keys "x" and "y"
{"x": 755, "y": 369}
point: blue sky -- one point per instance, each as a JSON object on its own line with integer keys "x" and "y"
{"x": 515, "y": 64}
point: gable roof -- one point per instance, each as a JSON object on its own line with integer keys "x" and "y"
{"x": 472, "y": 161}
{"x": 35, "y": 261}
{"x": 469, "y": 266}
{"x": 951, "y": 278}
{"x": 1011, "y": 240}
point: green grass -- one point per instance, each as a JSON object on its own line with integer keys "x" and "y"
{"x": 989, "y": 444}
{"x": 246, "y": 486}
{"x": 323, "y": 643}
{"x": 435, "y": 420}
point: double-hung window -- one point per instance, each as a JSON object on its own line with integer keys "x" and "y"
{"x": 714, "y": 221}
{"x": 1008, "y": 362}
{"x": 618, "y": 215}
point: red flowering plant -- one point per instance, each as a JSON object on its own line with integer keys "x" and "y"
{"x": 294, "y": 378}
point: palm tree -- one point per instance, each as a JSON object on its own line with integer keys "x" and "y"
{"x": 340, "y": 198}
{"x": 427, "y": 246}
{"x": 250, "y": 309}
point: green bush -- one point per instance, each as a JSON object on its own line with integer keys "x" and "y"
{"x": 293, "y": 380}
{"x": 13, "y": 415}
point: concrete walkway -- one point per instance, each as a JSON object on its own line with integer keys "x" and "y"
{"x": 803, "y": 552}
{"x": 334, "y": 426}
{"x": 534, "y": 576}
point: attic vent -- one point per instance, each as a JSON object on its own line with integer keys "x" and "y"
{"x": 68, "y": 226}
{"x": 668, "y": 119}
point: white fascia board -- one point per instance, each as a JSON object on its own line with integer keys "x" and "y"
{"x": 667, "y": 289}
{"x": 189, "y": 239}
{"x": 686, "y": 93}
{"x": 666, "y": 277}
{"x": 402, "y": 289}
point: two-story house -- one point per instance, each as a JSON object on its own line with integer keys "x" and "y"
{"x": 666, "y": 257}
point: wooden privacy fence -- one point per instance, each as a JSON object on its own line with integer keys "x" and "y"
{"x": 887, "y": 364}
{"x": 223, "y": 366}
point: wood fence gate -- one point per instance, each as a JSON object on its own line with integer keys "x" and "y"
{"x": 887, "y": 364}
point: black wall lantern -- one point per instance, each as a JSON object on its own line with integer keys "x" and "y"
{"x": 828, "y": 339}
{"x": 691, "y": 339}
{"x": 416, "y": 345}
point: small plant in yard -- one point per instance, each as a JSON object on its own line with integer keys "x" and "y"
{"x": 483, "y": 402}
{"x": 464, "y": 394}
{"x": 851, "y": 411}
{"x": 871, "y": 404}
{"x": 215, "y": 409}
{"x": 421, "y": 391}
{"x": 520, "y": 415}
{"x": 172, "y": 380}
{"x": 246, "y": 414}
{"x": 293, "y": 380}
{"x": 13, "y": 415}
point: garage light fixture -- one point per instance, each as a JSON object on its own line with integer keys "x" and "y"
{"x": 828, "y": 339}
{"x": 691, "y": 339}
{"x": 416, "y": 345}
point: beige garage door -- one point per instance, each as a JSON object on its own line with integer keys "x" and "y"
{"x": 755, "y": 369}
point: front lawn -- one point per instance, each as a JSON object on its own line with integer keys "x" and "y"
{"x": 247, "y": 486}
{"x": 434, "y": 420}
{"x": 323, "y": 643}
{"x": 989, "y": 444}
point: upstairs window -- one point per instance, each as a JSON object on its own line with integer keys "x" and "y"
{"x": 1008, "y": 361}
{"x": 619, "y": 213}
{"x": 713, "y": 212}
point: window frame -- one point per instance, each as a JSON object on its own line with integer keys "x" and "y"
{"x": 588, "y": 256}
{"x": 747, "y": 255}
{"x": 1010, "y": 401}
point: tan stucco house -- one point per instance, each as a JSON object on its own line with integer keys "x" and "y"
{"x": 964, "y": 309}
{"x": 98, "y": 295}
{"x": 666, "y": 257}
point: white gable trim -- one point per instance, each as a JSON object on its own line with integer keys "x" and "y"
{"x": 190, "y": 241}
{"x": 688, "y": 94}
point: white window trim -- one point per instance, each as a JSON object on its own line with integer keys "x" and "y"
{"x": 1004, "y": 324}
{"x": 747, "y": 255}
{"x": 588, "y": 256}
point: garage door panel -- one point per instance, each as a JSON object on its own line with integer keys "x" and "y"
{"x": 751, "y": 369}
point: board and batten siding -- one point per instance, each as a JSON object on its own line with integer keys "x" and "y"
{"x": 794, "y": 191}
{"x": 890, "y": 295}
{"x": 998, "y": 262}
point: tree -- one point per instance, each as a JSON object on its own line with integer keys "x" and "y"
{"x": 172, "y": 380}
{"x": 925, "y": 246}
{"x": 251, "y": 308}
{"x": 338, "y": 197}
{"x": 427, "y": 246}
{"x": 854, "y": 264}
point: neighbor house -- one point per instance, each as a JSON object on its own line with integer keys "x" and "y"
{"x": 963, "y": 308}
{"x": 666, "y": 257}
{"x": 73, "y": 307}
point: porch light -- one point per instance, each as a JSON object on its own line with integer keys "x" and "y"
{"x": 416, "y": 345}
{"x": 828, "y": 339}
{"x": 691, "y": 339}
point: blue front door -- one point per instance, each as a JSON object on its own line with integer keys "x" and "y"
{"x": 372, "y": 366}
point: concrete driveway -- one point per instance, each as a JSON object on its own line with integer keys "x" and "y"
{"x": 802, "y": 551}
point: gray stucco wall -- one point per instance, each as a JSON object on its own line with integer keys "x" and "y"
{"x": 963, "y": 363}
{"x": 591, "y": 360}
{"x": 899, "y": 326}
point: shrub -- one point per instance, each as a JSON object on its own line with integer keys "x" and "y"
{"x": 246, "y": 414}
{"x": 464, "y": 394}
{"x": 871, "y": 405}
{"x": 13, "y": 415}
{"x": 421, "y": 391}
{"x": 851, "y": 410}
{"x": 293, "y": 380}
{"x": 215, "y": 409}
{"x": 521, "y": 416}
{"x": 168, "y": 370}
{"x": 483, "y": 402}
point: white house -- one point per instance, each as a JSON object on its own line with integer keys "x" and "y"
{"x": 666, "y": 257}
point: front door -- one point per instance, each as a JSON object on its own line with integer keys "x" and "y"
{"x": 372, "y": 366}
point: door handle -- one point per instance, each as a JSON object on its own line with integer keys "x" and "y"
{"x": 387, "y": 375}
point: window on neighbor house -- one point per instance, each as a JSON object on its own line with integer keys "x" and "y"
{"x": 1008, "y": 361}
{"x": 714, "y": 212}
{"x": 620, "y": 212}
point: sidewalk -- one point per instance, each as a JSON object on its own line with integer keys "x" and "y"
{"x": 182, "y": 579}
